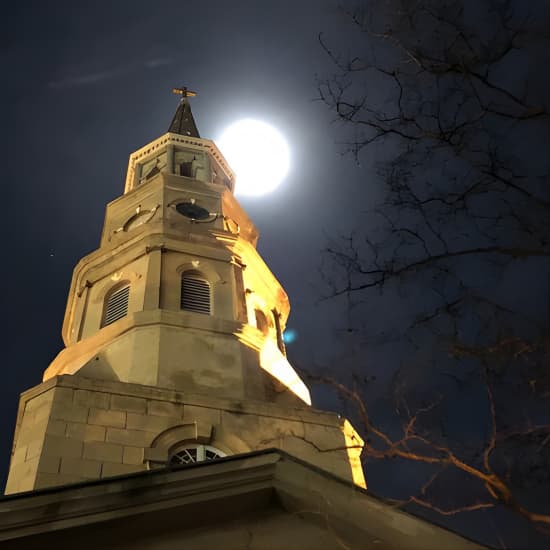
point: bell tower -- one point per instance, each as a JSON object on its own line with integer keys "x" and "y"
{"x": 173, "y": 337}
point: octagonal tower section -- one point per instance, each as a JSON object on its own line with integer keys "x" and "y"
{"x": 177, "y": 296}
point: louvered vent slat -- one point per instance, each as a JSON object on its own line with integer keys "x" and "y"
{"x": 195, "y": 295}
{"x": 117, "y": 305}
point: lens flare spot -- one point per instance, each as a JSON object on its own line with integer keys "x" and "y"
{"x": 289, "y": 336}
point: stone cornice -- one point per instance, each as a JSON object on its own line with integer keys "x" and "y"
{"x": 176, "y": 139}
{"x": 237, "y": 486}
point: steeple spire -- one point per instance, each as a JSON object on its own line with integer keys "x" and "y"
{"x": 173, "y": 337}
{"x": 183, "y": 122}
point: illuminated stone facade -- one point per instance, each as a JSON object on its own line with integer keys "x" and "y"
{"x": 173, "y": 334}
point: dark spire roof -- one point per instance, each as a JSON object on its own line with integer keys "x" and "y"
{"x": 183, "y": 122}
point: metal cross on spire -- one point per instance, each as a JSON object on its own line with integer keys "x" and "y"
{"x": 184, "y": 91}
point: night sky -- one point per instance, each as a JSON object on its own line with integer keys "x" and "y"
{"x": 85, "y": 84}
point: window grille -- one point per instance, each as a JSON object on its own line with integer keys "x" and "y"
{"x": 117, "y": 305}
{"x": 195, "y": 294}
{"x": 195, "y": 453}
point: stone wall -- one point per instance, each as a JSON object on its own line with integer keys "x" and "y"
{"x": 74, "y": 429}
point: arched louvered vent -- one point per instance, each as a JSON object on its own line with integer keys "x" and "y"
{"x": 116, "y": 306}
{"x": 195, "y": 294}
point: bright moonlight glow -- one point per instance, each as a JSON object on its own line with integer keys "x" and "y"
{"x": 257, "y": 153}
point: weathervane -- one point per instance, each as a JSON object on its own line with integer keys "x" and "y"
{"x": 184, "y": 92}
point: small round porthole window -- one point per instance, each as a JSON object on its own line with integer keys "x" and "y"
{"x": 195, "y": 453}
{"x": 192, "y": 210}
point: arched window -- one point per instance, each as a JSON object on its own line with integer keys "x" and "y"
{"x": 195, "y": 453}
{"x": 116, "y": 305}
{"x": 195, "y": 293}
{"x": 261, "y": 322}
{"x": 279, "y": 332}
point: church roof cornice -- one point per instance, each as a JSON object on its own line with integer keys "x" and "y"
{"x": 250, "y": 479}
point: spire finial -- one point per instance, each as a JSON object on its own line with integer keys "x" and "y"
{"x": 184, "y": 92}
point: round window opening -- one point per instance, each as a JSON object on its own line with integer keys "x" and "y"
{"x": 192, "y": 210}
{"x": 195, "y": 453}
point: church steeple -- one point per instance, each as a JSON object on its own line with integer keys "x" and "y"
{"x": 183, "y": 122}
{"x": 173, "y": 341}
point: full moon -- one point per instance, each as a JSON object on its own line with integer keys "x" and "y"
{"x": 257, "y": 153}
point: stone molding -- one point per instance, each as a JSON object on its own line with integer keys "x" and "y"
{"x": 262, "y": 408}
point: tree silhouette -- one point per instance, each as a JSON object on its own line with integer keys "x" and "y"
{"x": 451, "y": 99}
